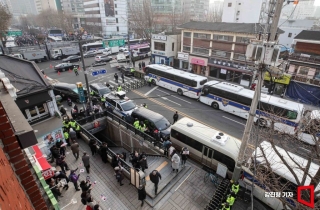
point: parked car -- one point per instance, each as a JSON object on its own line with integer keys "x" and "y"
{"x": 99, "y": 89}
{"x": 72, "y": 58}
{"x": 127, "y": 71}
{"x": 122, "y": 49}
{"x": 102, "y": 58}
{"x": 67, "y": 90}
{"x": 153, "y": 121}
{"x": 90, "y": 53}
{"x": 65, "y": 66}
{"x": 102, "y": 51}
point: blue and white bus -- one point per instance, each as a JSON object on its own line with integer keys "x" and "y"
{"x": 55, "y": 32}
{"x": 235, "y": 99}
{"x": 92, "y": 46}
{"x": 179, "y": 81}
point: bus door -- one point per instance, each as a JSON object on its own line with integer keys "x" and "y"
{"x": 207, "y": 157}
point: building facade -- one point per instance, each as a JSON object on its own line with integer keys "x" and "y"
{"x": 217, "y": 50}
{"x": 241, "y": 11}
{"x": 42, "y": 5}
{"x": 164, "y": 48}
{"x": 304, "y": 9}
{"x": 19, "y": 8}
{"x": 304, "y": 66}
{"x": 196, "y": 10}
{"x": 74, "y": 8}
{"x": 106, "y": 17}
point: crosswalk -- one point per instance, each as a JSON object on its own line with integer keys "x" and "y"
{"x": 130, "y": 83}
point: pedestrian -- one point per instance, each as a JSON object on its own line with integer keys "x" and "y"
{"x": 134, "y": 63}
{"x": 143, "y": 161}
{"x": 116, "y": 77}
{"x": 86, "y": 162}
{"x": 55, "y": 153}
{"x": 66, "y": 137}
{"x": 75, "y": 149}
{"x": 72, "y": 134}
{"x": 150, "y": 81}
{"x": 171, "y": 150}
{"x": 116, "y": 160}
{"x": 96, "y": 207}
{"x": 75, "y": 69}
{"x": 85, "y": 185}
{"x": 55, "y": 190}
{"x": 155, "y": 177}
{"x": 135, "y": 160}
{"x": 175, "y": 117}
{"x": 78, "y": 130}
{"x": 184, "y": 155}
{"x": 93, "y": 146}
{"x": 142, "y": 194}
{"x": 119, "y": 88}
{"x": 62, "y": 163}
{"x": 103, "y": 152}
{"x": 175, "y": 162}
{"x": 58, "y": 175}
{"x": 86, "y": 197}
{"x": 122, "y": 77}
{"x": 63, "y": 111}
{"x": 74, "y": 178}
{"x": 61, "y": 148}
{"x": 166, "y": 145}
{"x": 139, "y": 65}
{"x": 119, "y": 174}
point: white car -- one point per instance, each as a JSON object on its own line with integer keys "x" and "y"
{"x": 102, "y": 51}
{"x": 90, "y": 53}
{"x": 107, "y": 52}
{"x": 122, "y": 49}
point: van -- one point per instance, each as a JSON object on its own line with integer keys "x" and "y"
{"x": 153, "y": 121}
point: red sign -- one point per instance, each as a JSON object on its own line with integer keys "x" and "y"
{"x": 304, "y": 202}
{"x": 198, "y": 61}
{"x": 45, "y": 167}
{"x": 47, "y": 174}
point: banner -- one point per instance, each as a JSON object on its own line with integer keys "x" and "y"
{"x": 304, "y": 93}
{"x": 51, "y": 138}
{"x": 109, "y": 8}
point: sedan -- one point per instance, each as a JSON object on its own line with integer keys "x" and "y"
{"x": 90, "y": 53}
{"x": 72, "y": 58}
{"x": 127, "y": 71}
{"x": 65, "y": 66}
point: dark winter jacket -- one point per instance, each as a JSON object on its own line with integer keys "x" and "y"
{"x": 142, "y": 193}
{"x": 143, "y": 162}
{"x": 135, "y": 162}
{"x": 119, "y": 175}
{"x": 155, "y": 178}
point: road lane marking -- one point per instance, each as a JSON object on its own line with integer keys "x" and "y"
{"x": 185, "y": 115}
{"x": 159, "y": 168}
{"x": 174, "y": 96}
{"x": 233, "y": 120}
{"x": 184, "y": 180}
{"x": 150, "y": 91}
{"x": 166, "y": 99}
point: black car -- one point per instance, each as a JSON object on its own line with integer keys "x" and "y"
{"x": 127, "y": 71}
{"x": 72, "y": 58}
{"x": 65, "y": 66}
{"x": 67, "y": 90}
{"x": 99, "y": 89}
{"x": 153, "y": 121}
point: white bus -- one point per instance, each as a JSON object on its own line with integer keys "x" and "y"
{"x": 206, "y": 145}
{"x": 280, "y": 172}
{"x": 236, "y": 100}
{"x": 92, "y": 46}
{"x": 179, "y": 81}
{"x": 54, "y": 39}
{"x": 142, "y": 51}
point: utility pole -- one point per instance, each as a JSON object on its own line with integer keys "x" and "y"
{"x": 267, "y": 42}
{"x": 130, "y": 58}
{"x": 85, "y": 73}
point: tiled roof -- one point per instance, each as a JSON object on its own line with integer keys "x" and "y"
{"x": 309, "y": 35}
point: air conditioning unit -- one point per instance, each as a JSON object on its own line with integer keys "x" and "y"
{"x": 220, "y": 138}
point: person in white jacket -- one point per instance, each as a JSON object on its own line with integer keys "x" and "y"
{"x": 175, "y": 162}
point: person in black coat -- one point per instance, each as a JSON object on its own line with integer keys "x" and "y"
{"x": 103, "y": 152}
{"x": 93, "y": 146}
{"x": 142, "y": 194}
{"x": 135, "y": 160}
{"x": 155, "y": 177}
{"x": 85, "y": 185}
{"x": 116, "y": 160}
{"x": 143, "y": 161}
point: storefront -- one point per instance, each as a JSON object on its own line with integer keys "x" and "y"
{"x": 183, "y": 61}
{"x": 160, "y": 58}
{"x": 226, "y": 71}
{"x": 199, "y": 65}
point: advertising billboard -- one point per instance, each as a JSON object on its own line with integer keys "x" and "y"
{"x": 109, "y": 8}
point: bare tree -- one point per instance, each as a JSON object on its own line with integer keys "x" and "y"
{"x": 5, "y": 19}
{"x": 214, "y": 14}
{"x": 283, "y": 151}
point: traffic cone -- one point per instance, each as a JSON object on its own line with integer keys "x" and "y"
{"x": 59, "y": 73}
{"x": 51, "y": 66}
{"x": 70, "y": 71}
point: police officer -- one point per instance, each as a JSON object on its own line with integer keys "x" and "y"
{"x": 75, "y": 69}
{"x": 149, "y": 81}
{"x": 78, "y": 131}
{"x": 235, "y": 187}
{"x": 66, "y": 124}
{"x": 145, "y": 105}
{"x": 231, "y": 198}
{"x": 73, "y": 124}
{"x": 66, "y": 136}
{"x": 91, "y": 92}
{"x": 142, "y": 126}
{"x": 119, "y": 88}
{"x": 136, "y": 123}
{"x": 122, "y": 77}
{"x": 225, "y": 206}
{"x": 116, "y": 77}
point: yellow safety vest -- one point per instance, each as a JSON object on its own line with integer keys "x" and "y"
{"x": 66, "y": 135}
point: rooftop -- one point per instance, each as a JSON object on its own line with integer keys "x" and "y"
{"x": 24, "y": 75}
{"x": 246, "y": 28}
{"x": 308, "y": 35}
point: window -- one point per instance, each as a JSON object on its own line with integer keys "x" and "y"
{"x": 221, "y": 53}
{"x": 289, "y": 34}
{"x": 186, "y": 34}
{"x": 36, "y": 112}
{"x": 303, "y": 70}
{"x": 242, "y": 39}
{"x": 117, "y": 28}
{"x": 200, "y": 51}
{"x": 172, "y": 46}
{"x": 115, "y": 5}
{"x": 116, "y": 12}
{"x": 229, "y": 4}
{"x": 202, "y": 36}
{"x": 185, "y": 65}
{"x": 186, "y": 48}
{"x": 223, "y": 38}
{"x": 116, "y": 20}
{"x": 160, "y": 46}
{"x": 237, "y": 56}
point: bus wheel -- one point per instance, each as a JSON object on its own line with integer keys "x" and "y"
{"x": 153, "y": 82}
{"x": 215, "y": 105}
{"x": 180, "y": 92}
{"x": 262, "y": 122}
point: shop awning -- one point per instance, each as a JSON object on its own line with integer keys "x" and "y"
{"x": 42, "y": 163}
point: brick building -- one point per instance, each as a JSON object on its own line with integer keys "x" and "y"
{"x": 304, "y": 66}
{"x": 218, "y": 49}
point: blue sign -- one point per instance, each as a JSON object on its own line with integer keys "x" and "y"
{"x": 82, "y": 96}
{"x": 97, "y": 72}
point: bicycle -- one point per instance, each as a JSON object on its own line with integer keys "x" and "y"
{"x": 213, "y": 178}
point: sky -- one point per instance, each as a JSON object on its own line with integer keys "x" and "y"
{"x": 317, "y": 3}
